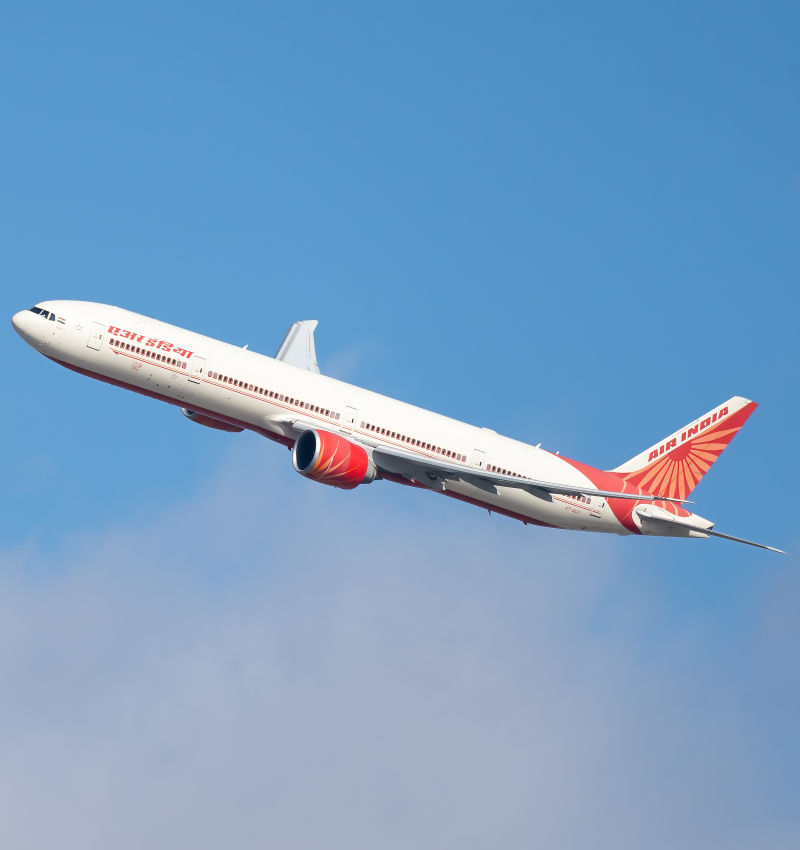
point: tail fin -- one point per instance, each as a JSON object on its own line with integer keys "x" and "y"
{"x": 674, "y": 467}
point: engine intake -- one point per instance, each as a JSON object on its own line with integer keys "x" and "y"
{"x": 330, "y": 459}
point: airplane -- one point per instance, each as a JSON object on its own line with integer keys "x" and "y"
{"x": 345, "y": 436}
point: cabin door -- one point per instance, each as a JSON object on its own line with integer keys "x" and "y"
{"x": 350, "y": 414}
{"x": 198, "y": 369}
{"x": 479, "y": 459}
{"x": 96, "y": 336}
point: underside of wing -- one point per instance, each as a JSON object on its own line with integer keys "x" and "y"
{"x": 424, "y": 470}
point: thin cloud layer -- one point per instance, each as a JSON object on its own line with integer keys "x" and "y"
{"x": 296, "y": 667}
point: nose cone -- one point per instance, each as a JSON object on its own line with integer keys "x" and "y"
{"x": 19, "y": 321}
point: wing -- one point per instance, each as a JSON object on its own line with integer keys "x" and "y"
{"x": 424, "y": 469}
{"x": 297, "y": 347}
{"x": 430, "y": 471}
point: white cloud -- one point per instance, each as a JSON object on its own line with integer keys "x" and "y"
{"x": 273, "y": 664}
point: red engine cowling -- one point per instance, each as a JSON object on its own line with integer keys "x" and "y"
{"x": 331, "y": 459}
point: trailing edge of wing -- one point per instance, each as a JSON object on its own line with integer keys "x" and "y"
{"x": 666, "y": 521}
{"x": 445, "y": 470}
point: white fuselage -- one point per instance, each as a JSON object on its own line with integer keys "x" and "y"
{"x": 121, "y": 347}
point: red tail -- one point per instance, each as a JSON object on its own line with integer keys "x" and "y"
{"x": 675, "y": 466}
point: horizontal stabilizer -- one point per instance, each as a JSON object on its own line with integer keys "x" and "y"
{"x": 701, "y": 530}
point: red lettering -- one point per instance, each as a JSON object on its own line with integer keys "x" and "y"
{"x": 705, "y": 423}
{"x": 126, "y": 334}
{"x": 714, "y": 418}
{"x": 114, "y": 331}
{"x": 151, "y": 342}
{"x": 653, "y": 455}
{"x": 671, "y": 444}
{"x": 691, "y": 431}
{"x": 187, "y": 354}
{"x": 661, "y": 450}
{"x": 683, "y": 436}
{"x": 723, "y": 412}
{"x": 164, "y": 346}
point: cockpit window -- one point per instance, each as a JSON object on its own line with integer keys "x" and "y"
{"x": 52, "y": 317}
{"x": 36, "y": 309}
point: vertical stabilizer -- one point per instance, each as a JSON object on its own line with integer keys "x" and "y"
{"x": 674, "y": 466}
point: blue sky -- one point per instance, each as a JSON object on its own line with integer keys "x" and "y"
{"x": 575, "y": 224}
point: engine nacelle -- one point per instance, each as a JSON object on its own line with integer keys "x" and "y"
{"x": 331, "y": 459}
{"x": 209, "y": 422}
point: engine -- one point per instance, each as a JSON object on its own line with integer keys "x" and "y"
{"x": 209, "y": 422}
{"x": 331, "y": 459}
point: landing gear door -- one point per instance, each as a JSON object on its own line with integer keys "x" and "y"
{"x": 198, "y": 369}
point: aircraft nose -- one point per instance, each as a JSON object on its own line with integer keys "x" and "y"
{"x": 19, "y": 321}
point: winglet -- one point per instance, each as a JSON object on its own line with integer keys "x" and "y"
{"x": 297, "y": 348}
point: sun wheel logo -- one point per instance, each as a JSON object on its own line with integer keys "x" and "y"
{"x": 675, "y": 468}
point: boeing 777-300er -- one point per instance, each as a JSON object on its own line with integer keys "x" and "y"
{"x": 344, "y": 436}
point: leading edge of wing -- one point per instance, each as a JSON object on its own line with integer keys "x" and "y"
{"x": 447, "y": 470}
